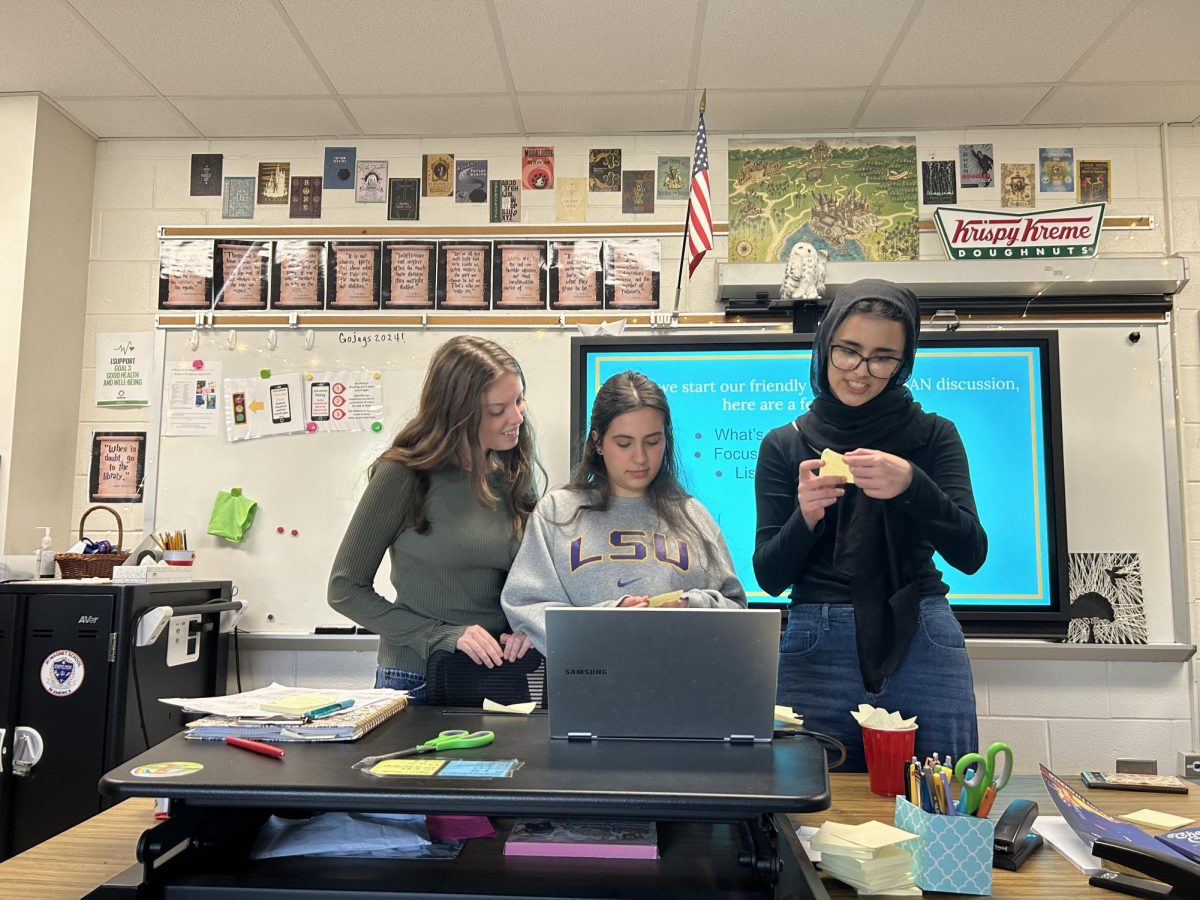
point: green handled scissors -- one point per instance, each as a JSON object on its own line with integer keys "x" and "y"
{"x": 455, "y": 739}
{"x": 986, "y": 772}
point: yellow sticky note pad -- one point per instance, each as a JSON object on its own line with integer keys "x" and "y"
{"x": 1152, "y": 818}
{"x": 522, "y": 709}
{"x": 407, "y": 767}
{"x": 668, "y": 597}
{"x": 835, "y": 464}
{"x": 787, "y": 715}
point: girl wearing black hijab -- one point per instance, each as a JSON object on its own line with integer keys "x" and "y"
{"x": 868, "y": 620}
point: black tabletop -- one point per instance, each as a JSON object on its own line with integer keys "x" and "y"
{"x": 687, "y": 780}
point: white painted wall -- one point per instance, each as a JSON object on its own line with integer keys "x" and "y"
{"x": 1071, "y": 715}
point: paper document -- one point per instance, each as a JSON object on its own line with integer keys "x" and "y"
{"x": 249, "y": 704}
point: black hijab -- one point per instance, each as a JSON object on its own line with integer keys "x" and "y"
{"x": 873, "y": 545}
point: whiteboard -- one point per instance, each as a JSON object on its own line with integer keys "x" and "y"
{"x": 1117, "y": 454}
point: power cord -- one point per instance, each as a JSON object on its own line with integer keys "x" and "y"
{"x": 831, "y": 743}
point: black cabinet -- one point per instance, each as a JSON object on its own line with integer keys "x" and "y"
{"x": 70, "y": 680}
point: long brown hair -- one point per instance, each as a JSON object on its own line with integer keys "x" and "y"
{"x": 445, "y": 432}
{"x": 622, "y": 393}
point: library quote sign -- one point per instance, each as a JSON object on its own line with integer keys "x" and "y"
{"x": 1072, "y": 231}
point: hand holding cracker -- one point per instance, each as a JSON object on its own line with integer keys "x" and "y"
{"x": 670, "y": 598}
{"x": 835, "y": 464}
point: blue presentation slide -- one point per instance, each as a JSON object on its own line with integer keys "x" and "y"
{"x": 724, "y": 401}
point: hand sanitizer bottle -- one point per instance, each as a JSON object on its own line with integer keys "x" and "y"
{"x": 44, "y": 558}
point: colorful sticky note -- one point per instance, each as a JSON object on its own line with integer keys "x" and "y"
{"x": 407, "y": 766}
{"x": 478, "y": 768}
{"x": 1152, "y": 818}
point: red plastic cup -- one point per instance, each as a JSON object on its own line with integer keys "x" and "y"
{"x": 886, "y": 753}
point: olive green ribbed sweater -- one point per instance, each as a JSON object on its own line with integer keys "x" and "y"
{"x": 446, "y": 579}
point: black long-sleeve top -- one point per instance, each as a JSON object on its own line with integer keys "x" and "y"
{"x": 939, "y": 503}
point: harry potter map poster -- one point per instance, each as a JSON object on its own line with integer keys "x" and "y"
{"x": 854, "y": 197}
{"x": 1016, "y": 185}
{"x": 118, "y": 467}
{"x": 1057, "y": 170}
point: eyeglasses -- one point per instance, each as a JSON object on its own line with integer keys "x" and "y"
{"x": 848, "y": 360}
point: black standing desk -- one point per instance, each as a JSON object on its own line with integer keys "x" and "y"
{"x": 714, "y": 803}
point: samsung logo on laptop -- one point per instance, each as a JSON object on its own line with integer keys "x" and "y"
{"x": 585, "y": 671}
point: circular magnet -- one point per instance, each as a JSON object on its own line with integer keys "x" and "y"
{"x": 197, "y": 364}
{"x": 310, "y": 427}
{"x": 377, "y": 426}
{"x": 264, "y": 373}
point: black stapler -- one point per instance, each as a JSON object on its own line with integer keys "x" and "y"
{"x": 1169, "y": 876}
{"x": 1014, "y": 839}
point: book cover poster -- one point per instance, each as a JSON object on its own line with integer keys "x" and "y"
{"x": 404, "y": 199}
{"x": 1057, "y": 168}
{"x": 938, "y": 182}
{"x": 604, "y": 170}
{"x": 1107, "y": 606}
{"x": 185, "y": 274}
{"x": 975, "y": 164}
{"x": 854, "y": 197}
{"x": 339, "y": 168}
{"x": 1016, "y": 185}
{"x": 470, "y": 180}
{"x": 537, "y": 168}
{"x": 1094, "y": 181}
{"x": 505, "y": 203}
{"x": 570, "y": 200}
{"x": 438, "y": 169}
{"x": 206, "y": 174}
{"x": 631, "y": 273}
{"x": 239, "y": 198}
{"x": 118, "y": 468}
{"x": 370, "y": 181}
{"x": 273, "y": 183}
{"x": 637, "y": 191}
{"x": 674, "y": 179}
{"x": 306, "y": 197}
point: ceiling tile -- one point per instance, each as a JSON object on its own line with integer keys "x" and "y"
{"x": 762, "y": 44}
{"x": 408, "y": 48}
{"x": 35, "y": 42}
{"x": 1097, "y": 104}
{"x": 1157, "y": 42}
{"x": 616, "y": 45}
{"x": 245, "y": 117}
{"x": 602, "y": 113}
{"x": 434, "y": 116}
{"x": 985, "y": 42}
{"x": 930, "y": 107}
{"x": 781, "y": 112}
{"x": 225, "y": 47}
{"x": 127, "y": 117}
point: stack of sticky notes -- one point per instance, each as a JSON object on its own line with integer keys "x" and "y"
{"x": 873, "y": 858}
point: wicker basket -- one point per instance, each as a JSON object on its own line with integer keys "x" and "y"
{"x": 93, "y": 565}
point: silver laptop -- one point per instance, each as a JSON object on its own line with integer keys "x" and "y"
{"x": 662, "y": 674}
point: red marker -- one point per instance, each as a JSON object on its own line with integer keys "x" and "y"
{"x": 256, "y": 747}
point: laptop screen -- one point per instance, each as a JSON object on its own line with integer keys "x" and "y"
{"x": 662, "y": 674}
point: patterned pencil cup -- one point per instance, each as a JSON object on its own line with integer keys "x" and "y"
{"x": 954, "y": 853}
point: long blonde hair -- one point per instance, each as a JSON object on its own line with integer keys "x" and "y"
{"x": 445, "y": 432}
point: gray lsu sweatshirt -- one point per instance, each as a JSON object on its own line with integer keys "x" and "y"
{"x": 601, "y": 557}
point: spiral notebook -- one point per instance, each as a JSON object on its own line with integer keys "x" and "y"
{"x": 344, "y": 726}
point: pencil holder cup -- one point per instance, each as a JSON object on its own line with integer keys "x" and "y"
{"x": 179, "y": 557}
{"x": 953, "y": 853}
{"x": 886, "y": 753}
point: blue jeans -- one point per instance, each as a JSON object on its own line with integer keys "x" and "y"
{"x": 402, "y": 680}
{"x": 819, "y": 678}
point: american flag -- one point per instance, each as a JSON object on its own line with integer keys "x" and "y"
{"x": 700, "y": 226}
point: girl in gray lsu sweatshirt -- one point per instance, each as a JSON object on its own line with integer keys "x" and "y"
{"x": 624, "y": 530}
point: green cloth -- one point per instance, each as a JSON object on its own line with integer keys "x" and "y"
{"x": 232, "y": 515}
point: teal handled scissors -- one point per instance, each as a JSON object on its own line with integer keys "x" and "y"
{"x": 985, "y": 772}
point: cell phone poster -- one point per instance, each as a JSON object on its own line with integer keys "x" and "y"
{"x": 264, "y": 407}
{"x": 118, "y": 467}
{"x": 346, "y": 400}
